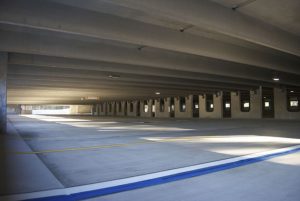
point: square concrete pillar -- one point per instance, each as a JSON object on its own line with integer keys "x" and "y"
{"x": 255, "y": 106}
{"x": 132, "y": 108}
{"x": 3, "y": 91}
{"x": 148, "y": 104}
{"x": 188, "y": 112}
{"x": 280, "y": 106}
{"x": 165, "y": 112}
{"x": 216, "y": 112}
{"x": 120, "y": 108}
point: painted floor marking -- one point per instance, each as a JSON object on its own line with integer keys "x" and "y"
{"x": 98, "y": 146}
{"x": 121, "y": 185}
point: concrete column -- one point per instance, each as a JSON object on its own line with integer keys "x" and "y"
{"x": 132, "y": 113}
{"x": 255, "y": 106}
{"x": 142, "y": 108}
{"x": 188, "y": 113}
{"x": 3, "y": 91}
{"x": 217, "y": 110}
{"x": 166, "y": 112}
{"x": 280, "y": 106}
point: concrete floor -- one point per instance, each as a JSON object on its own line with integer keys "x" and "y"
{"x": 61, "y": 152}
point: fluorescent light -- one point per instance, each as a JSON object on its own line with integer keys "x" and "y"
{"x": 292, "y": 91}
{"x": 276, "y": 78}
{"x": 114, "y": 76}
{"x": 157, "y": 93}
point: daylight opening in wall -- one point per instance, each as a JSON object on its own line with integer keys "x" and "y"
{"x": 161, "y": 105}
{"x": 267, "y": 104}
{"x": 146, "y": 107}
{"x": 209, "y": 102}
{"x": 293, "y": 98}
{"x": 182, "y": 105}
{"x": 245, "y": 101}
{"x": 246, "y": 105}
{"x": 48, "y": 109}
{"x": 131, "y": 107}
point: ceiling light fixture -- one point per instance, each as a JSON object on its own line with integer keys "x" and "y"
{"x": 157, "y": 93}
{"x": 114, "y": 76}
{"x": 292, "y": 91}
{"x": 276, "y": 79}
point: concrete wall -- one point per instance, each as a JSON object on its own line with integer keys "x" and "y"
{"x": 81, "y": 109}
{"x": 280, "y": 106}
{"x": 165, "y": 113}
{"x": 217, "y": 113}
{"x": 143, "y": 113}
{"x": 189, "y": 104}
{"x": 111, "y": 112}
{"x": 134, "y": 112}
{"x": 255, "y": 106}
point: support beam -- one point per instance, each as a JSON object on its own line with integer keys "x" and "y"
{"x": 235, "y": 24}
{"x": 3, "y": 91}
{"x": 99, "y": 51}
{"x": 102, "y": 26}
{"x": 59, "y": 63}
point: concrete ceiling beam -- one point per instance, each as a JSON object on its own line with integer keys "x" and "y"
{"x": 39, "y": 15}
{"x": 61, "y": 47}
{"x": 217, "y": 18}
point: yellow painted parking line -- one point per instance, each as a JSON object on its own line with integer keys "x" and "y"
{"x": 100, "y": 146}
{"x": 81, "y": 148}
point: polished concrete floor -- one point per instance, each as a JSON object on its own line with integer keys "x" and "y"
{"x": 56, "y": 152}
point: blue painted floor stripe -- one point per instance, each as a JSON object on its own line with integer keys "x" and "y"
{"x": 164, "y": 179}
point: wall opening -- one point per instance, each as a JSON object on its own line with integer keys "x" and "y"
{"x": 209, "y": 103}
{"x": 146, "y": 107}
{"x": 50, "y": 109}
{"x": 138, "y": 109}
{"x": 131, "y": 107}
{"x": 293, "y": 99}
{"x": 161, "y": 105}
{"x": 125, "y": 108}
{"x": 226, "y": 104}
{"x": 153, "y": 109}
{"x": 245, "y": 101}
{"x": 172, "y": 107}
{"x": 267, "y": 102}
{"x": 119, "y": 107}
{"x": 182, "y": 104}
{"x": 109, "y": 107}
{"x": 196, "y": 106}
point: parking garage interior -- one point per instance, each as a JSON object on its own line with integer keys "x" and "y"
{"x": 150, "y": 100}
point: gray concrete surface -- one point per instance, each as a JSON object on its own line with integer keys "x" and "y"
{"x": 276, "y": 180}
{"x": 23, "y": 173}
{"x": 81, "y": 150}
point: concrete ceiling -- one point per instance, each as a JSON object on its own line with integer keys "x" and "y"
{"x": 61, "y": 51}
